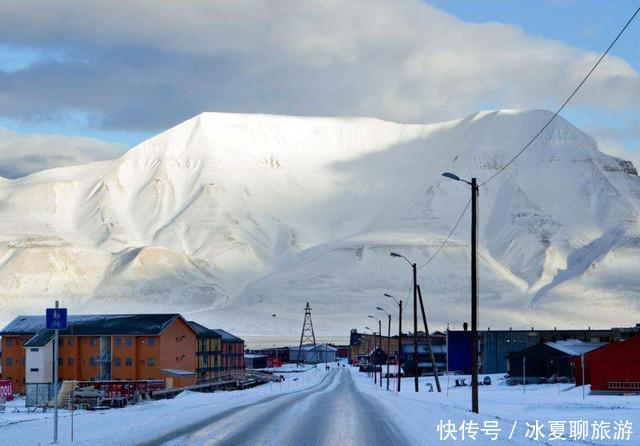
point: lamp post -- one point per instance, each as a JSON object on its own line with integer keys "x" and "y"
{"x": 474, "y": 285}
{"x": 379, "y": 345}
{"x": 415, "y": 315}
{"x": 369, "y": 351}
{"x": 388, "y": 341}
{"x": 399, "y": 361}
{"x": 375, "y": 351}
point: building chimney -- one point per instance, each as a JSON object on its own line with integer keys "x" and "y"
{"x": 465, "y": 326}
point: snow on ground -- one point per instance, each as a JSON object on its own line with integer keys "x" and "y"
{"x": 135, "y": 424}
{"x": 419, "y": 415}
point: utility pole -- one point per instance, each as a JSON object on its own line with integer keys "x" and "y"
{"x": 373, "y": 358}
{"x": 474, "y": 294}
{"x": 56, "y": 352}
{"x": 388, "y": 349}
{"x": 426, "y": 329}
{"x": 475, "y": 190}
{"x": 380, "y": 337}
{"x": 415, "y": 324}
{"x": 399, "y": 361}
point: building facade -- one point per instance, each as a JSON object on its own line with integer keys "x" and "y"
{"x": 549, "y": 359}
{"x": 614, "y": 368}
{"x": 361, "y": 344}
{"x": 310, "y": 354}
{"x": 208, "y": 352}
{"x": 232, "y": 350}
{"x": 14, "y": 359}
{"x": 100, "y": 347}
{"x": 494, "y": 346}
{"x": 423, "y": 358}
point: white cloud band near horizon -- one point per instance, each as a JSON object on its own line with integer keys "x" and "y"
{"x": 22, "y": 154}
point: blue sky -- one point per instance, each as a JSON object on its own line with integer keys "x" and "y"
{"x": 120, "y": 75}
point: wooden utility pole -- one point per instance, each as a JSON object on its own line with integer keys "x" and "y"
{"x": 388, "y": 348}
{"x": 474, "y": 295}
{"x": 426, "y": 330}
{"x": 399, "y": 361}
{"x": 415, "y": 324}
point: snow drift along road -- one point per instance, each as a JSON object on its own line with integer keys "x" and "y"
{"x": 231, "y": 218}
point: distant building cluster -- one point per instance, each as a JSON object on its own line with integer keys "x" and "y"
{"x": 611, "y": 356}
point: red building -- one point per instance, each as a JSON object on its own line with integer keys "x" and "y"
{"x": 614, "y": 368}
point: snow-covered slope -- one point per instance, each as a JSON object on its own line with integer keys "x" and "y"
{"x": 230, "y": 218}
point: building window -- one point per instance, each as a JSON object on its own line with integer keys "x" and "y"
{"x": 34, "y": 369}
{"x": 152, "y": 341}
{"x": 117, "y": 342}
{"x": 127, "y": 342}
{"x": 70, "y": 341}
{"x": 151, "y": 362}
{"x": 8, "y": 361}
{"x": 92, "y": 361}
{"x": 60, "y": 361}
{"x": 9, "y": 342}
{"x": 69, "y": 361}
{"x": 93, "y": 341}
{"x": 34, "y": 349}
{"x": 60, "y": 341}
{"x": 128, "y": 361}
{"x": 116, "y": 362}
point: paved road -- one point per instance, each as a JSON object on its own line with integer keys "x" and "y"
{"x": 332, "y": 413}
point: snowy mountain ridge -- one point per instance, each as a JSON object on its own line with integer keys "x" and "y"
{"x": 235, "y": 217}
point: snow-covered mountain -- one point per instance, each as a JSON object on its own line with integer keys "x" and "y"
{"x": 231, "y": 218}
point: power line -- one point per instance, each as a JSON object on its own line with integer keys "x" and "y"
{"x": 544, "y": 127}
{"x": 433, "y": 256}
{"x": 573, "y": 93}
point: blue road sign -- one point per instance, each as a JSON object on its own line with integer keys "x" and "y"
{"x": 56, "y": 318}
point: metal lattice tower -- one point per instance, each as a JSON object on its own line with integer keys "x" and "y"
{"x": 307, "y": 336}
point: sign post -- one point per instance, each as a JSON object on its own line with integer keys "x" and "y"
{"x": 582, "y": 367}
{"x": 524, "y": 374}
{"x": 56, "y": 320}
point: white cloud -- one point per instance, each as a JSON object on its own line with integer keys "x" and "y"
{"x": 148, "y": 64}
{"x": 24, "y": 154}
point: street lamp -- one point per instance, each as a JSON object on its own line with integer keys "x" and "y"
{"x": 379, "y": 346}
{"x": 388, "y": 341}
{"x": 379, "y": 342}
{"x": 399, "y": 361}
{"x": 415, "y": 315}
{"x": 368, "y": 349}
{"x": 474, "y": 285}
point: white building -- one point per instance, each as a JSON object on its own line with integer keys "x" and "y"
{"x": 39, "y": 363}
{"x": 309, "y": 355}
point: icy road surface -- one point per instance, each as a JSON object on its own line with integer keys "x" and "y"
{"x": 333, "y": 412}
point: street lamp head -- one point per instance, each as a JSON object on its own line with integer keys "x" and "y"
{"x": 453, "y": 176}
{"x": 383, "y": 310}
{"x": 372, "y": 317}
{"x": 367, "y": 328}
{"x": 395, "y": 254}
{"x": 391, "y": 297}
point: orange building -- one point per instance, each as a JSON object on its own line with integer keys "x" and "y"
{"x": 100, "y": 347}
